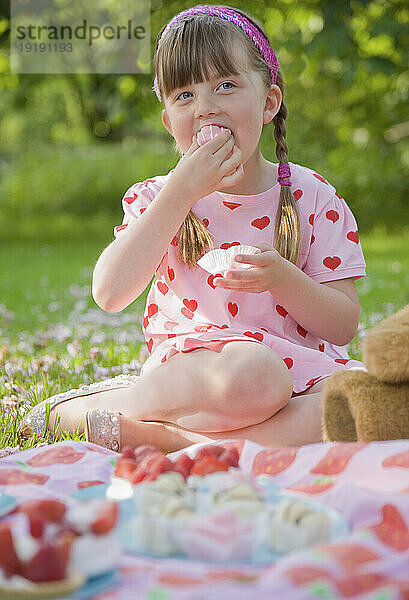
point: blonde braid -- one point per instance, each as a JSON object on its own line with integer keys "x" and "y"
{"x": 287, "y": 229}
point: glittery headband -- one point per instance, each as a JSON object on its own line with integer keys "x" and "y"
{"x": 228, "y": 14}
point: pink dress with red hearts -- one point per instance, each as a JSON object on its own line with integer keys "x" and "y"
{"x": 185, "y": 311}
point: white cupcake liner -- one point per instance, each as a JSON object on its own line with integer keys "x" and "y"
{"x": 220, "y": 261}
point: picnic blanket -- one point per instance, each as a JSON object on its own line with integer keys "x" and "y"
{"x": 368, "y": 483}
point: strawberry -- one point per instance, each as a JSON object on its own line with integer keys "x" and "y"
{"x": 50, "y": 561}
{"x": 208, "y": 464}
{"x": 107, "y": 517}
{"x": 160, "y": 465}
{"x": 392, "y": 530}
{"x": 148, "y": 460}
{"x": 214, "y": 451}
{"x": 337, "y": 458}
{"x": 349, "y": 555}
{"x": 125, "y": 467}
{"x": 145, "y": 450}
{"x": 230, "y": 457}
{"x": 305, "y": 574}
{"x": 397, "y": 460}
{"x": 37, "y": 525}
{"x": 316, "y": 487}
{"x": 63, "y": 455}
{"x": 183, "y": 465}
{"x": 128, "y": 452}
{"x": 9, "y": 560}
{"x": 138, "y": 475}
{"x": 51, "y": 511}
{"x": 274, "y": 461}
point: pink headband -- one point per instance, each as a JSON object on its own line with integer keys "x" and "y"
{"x": 260, "y": 41}
{"x": 253, "y": 32}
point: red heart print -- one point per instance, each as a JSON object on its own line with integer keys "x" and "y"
{"x": 342, "y": 361}
{"x": 312, "y": 381}
{"x": 169, "y": 325}
{"x": 171, "y": 335}
{"x": 264, "y": 329}
{"x": 303, "y": 332}
{"x": 130, "y": 199}
{"x": 312, "y": 240}
{"x": 204, "y": 327}
{"x": 233, "y": 308}
{"x": 210, "y": 279}
{"x": 231, "y": 205}
{"x": 142, "y": 210}
{"x": 321, "y": 347}
{"x": 190, "y": 304}
{"x": 162, "y": 287}
{"x": 221, "y": 326}
{"x": 311, "y": 219}
{"x": 152, "y": 310}
{"x": 119, "y": 227}
{"x": 227, "y": 245}
{"x": 149, "y": 181}
{"x": 163, "y": 359}
{"x": 149, "y": 343}
{"x": 205, "y": 222}
{"x": 298, "y": 194}
{"x": 174, "y": 241}
{"x": 261, "y": 223}
{"x": 353, "y": 236}
{"x": 331, "y": 262}
{"x": 332, "y": 215}
{"x": 281, "y": 311}
{"x": 256, "y": 335}
{"x": 320, "y": 178}
{"x": 145, "y": 322}
{"x": 187, "y": 313}
{"x": 171, "y": 274}
{"x": 289, "y": 362}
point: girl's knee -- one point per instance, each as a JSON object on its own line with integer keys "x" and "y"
{"x": 256, "y": 383}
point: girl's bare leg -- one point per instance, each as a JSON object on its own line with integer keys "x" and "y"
{"x": 203, "y": 391}
{"x": 298, "y": 423}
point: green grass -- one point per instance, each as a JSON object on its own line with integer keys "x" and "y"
{"x": 54, "y": 337}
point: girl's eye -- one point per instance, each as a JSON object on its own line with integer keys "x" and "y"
{"x": 180, "y": 96}
{"x": 224, "y": 83}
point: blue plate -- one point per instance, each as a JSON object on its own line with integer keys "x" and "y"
{"x": 7, "y": 504}
{"x": 96, "y": 585}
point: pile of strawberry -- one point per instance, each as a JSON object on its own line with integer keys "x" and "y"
{"x": 145, "y": 463}
{"x": 54, "y": 536}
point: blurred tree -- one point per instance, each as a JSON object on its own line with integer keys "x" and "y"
{"x": 347, "y": 79}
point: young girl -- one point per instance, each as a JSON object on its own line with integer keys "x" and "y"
{"x": 243, "y": 355}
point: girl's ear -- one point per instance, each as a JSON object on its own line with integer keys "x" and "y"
{"x": 272, "y": 104}
{"x": 166, "y": 122}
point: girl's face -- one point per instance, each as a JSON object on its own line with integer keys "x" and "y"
{"x": 239, "y": 102}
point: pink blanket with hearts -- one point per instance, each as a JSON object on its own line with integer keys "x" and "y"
{"x": 368, "y": 483}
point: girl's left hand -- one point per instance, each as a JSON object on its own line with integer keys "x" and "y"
{"x": 267, "y": 269}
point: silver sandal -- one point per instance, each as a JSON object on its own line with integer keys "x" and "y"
{"x": 34, "y": 421}
{"x": 102, "y": 427}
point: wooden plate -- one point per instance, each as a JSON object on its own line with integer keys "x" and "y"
{"x": 43, "y": 591}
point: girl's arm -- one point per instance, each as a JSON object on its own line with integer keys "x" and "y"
{"x": 329, "y": 311}
{"x": 126, "y": 266}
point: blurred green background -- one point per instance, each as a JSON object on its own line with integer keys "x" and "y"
{"x": 71, "y": 144}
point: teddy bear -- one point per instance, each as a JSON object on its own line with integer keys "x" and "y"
{"x": 359, "y": 405}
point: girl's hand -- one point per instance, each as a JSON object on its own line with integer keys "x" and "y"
{"x": 268, "y": 268}
{"x": 205, "y": 169}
